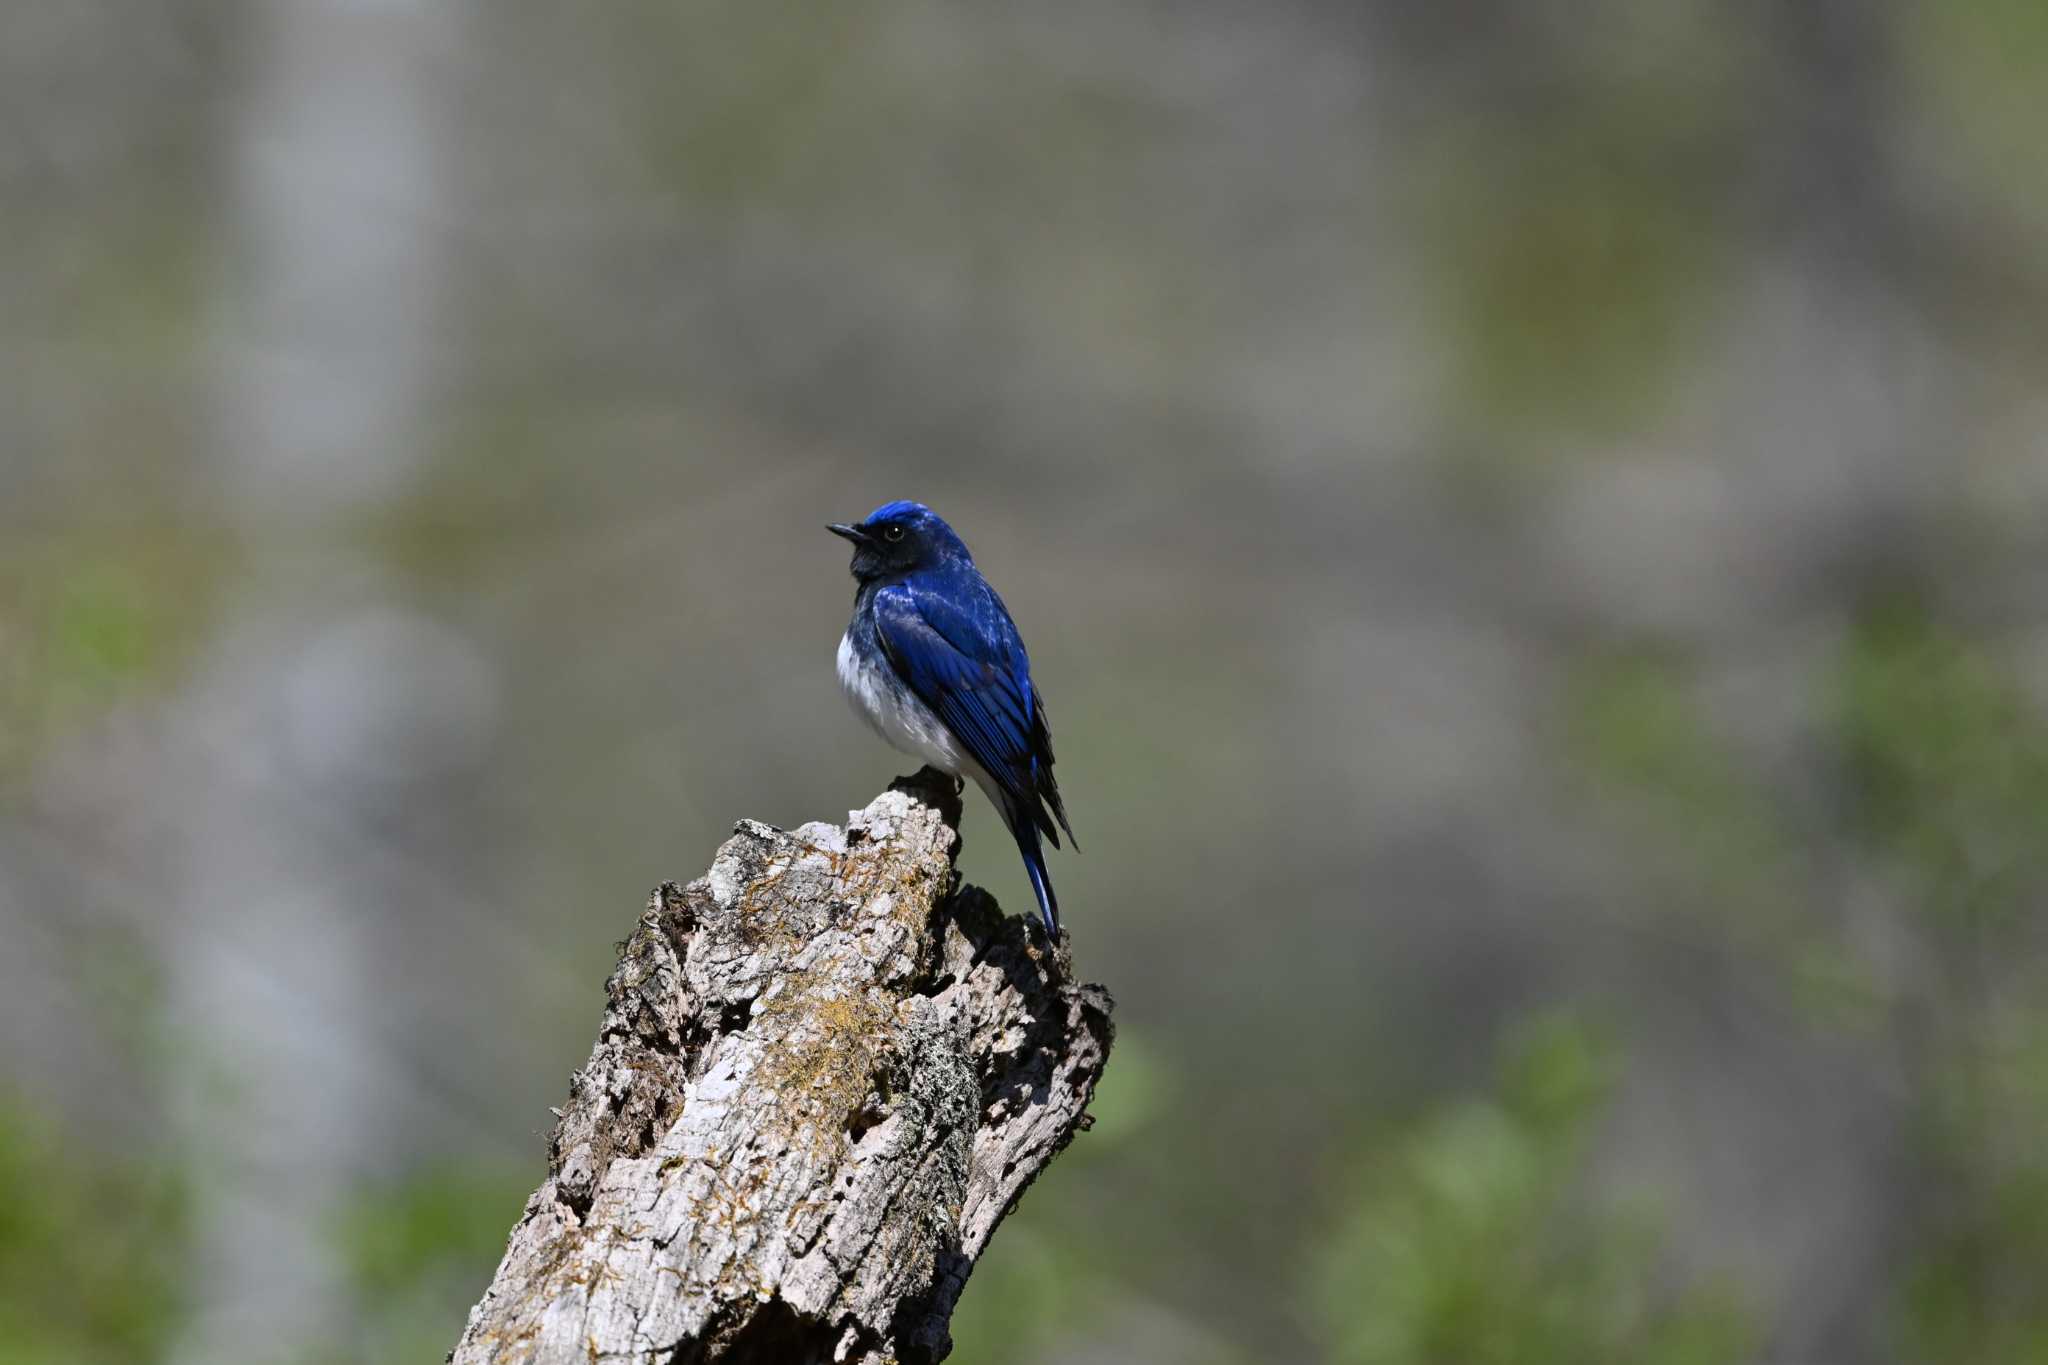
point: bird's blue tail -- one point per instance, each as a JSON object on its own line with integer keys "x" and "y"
{"x": 1026, "y": 834}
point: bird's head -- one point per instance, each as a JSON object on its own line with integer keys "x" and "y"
{"x": 899, "y": 537}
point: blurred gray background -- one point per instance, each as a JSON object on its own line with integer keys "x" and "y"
{"x": 1529, "y": 518}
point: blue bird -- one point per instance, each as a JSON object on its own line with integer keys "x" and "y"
{"x": 934, "y": 663}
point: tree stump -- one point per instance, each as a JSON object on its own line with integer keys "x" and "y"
{"x": 827, "y": 1070}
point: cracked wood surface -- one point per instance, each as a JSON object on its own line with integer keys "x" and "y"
{"x": 826, "y": 1071}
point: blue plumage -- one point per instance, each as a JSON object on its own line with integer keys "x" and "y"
{"x": 933, "y": 661}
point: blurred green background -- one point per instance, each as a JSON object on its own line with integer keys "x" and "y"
{"x": 1530, "y": 518}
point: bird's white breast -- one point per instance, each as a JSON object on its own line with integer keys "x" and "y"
{"x": 897, "y": 715}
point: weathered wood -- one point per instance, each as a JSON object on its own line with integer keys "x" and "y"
{"x": 826, "y": 1072}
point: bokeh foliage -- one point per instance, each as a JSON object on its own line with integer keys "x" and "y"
{"x": 1467, "y": 1238}
{"x": 92, "y": 618}
{"x": 93, "y": 1249}
{"x": 1941, "y": 764}
{"x": 1946, "y": 763}
{"x": 418, "y": 1251}
{"x": 1580, "y": 254}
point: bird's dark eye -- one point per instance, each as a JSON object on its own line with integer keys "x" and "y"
{"x": 892, "y": 534}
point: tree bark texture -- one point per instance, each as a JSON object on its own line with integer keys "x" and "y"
{"x": 827, "y": 1070}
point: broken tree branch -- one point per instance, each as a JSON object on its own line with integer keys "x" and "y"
{"x": 826, "y": 1072}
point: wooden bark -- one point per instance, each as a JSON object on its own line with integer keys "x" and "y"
{"x": 826, "y": 1072}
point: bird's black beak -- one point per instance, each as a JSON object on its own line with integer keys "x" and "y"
{"x": 852, "y": 533}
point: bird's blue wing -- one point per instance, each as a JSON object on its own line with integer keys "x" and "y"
{"x": 956, "y": 647}
{"x": 951, "y": 641}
